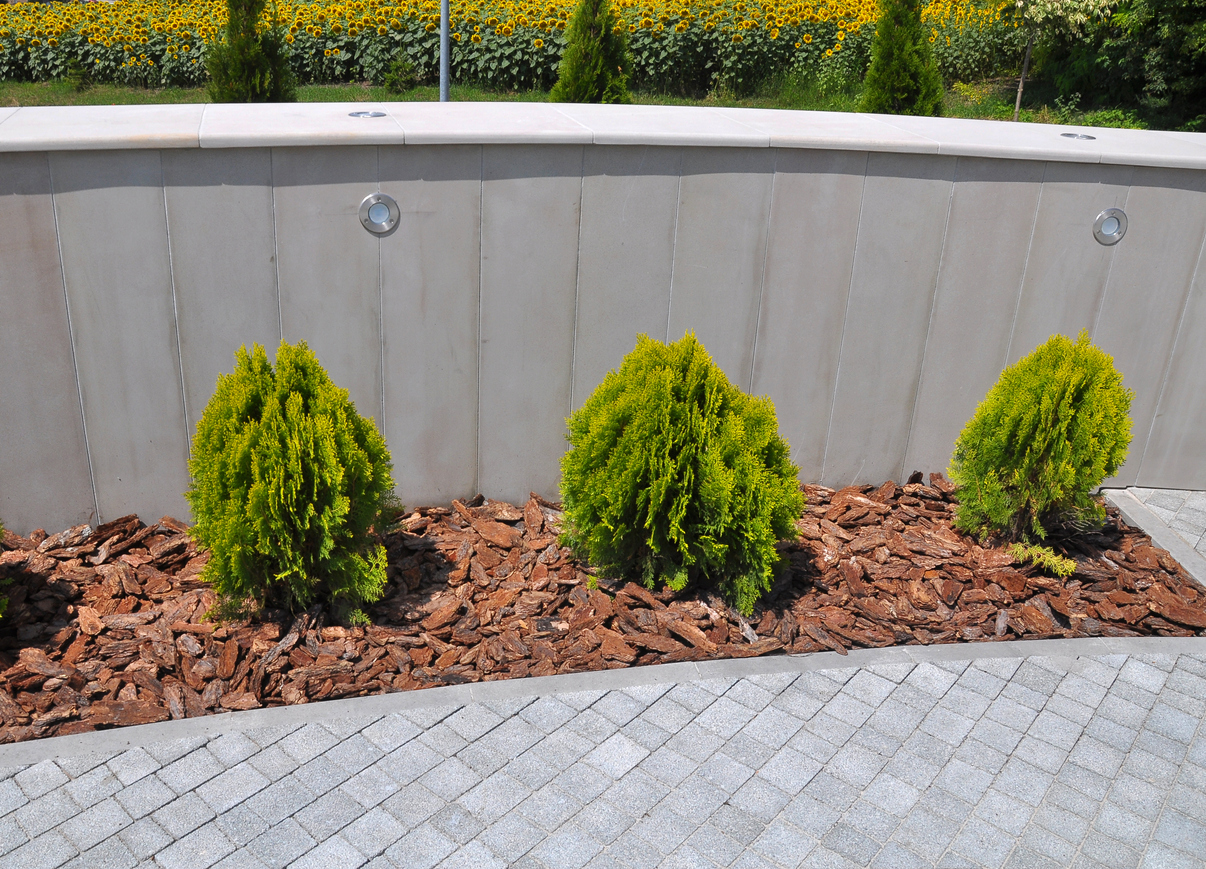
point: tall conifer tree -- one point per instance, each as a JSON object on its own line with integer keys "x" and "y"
{"x": 595, "y": 65}
{"x": 903, "y": 78}
{"x": 249, "y": 67}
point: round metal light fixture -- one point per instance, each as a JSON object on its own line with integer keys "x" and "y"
{"x": 366, "y": 114}
{"x": 1110, "y": 226}
{"x": 379, "y": 213}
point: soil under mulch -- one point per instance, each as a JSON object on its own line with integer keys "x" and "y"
{"x": 106, "y": 627}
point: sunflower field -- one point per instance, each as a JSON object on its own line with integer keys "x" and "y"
{"x": 678, "y": 46}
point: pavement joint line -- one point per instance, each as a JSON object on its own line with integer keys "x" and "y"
{"x": 1136, "y": 513}
{"x": 1064, "y": 651}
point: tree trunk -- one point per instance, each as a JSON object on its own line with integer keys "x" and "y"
{"x": 1017, "y": 106}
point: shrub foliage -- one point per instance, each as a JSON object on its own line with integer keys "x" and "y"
{"x": 903, "y": 78}
{"x": 675, "y": 474}
{"x": 595, "y": 65}
{"x": 287, "y": 480}
{"x": 250, "y": 66}
{"x": 1054, "y": 426}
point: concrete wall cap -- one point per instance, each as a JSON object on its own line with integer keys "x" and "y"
{"x": 69, "y": 128}
{"x": 90, "y": 128}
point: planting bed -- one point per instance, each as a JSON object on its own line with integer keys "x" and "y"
{"x": 106, "y": 626}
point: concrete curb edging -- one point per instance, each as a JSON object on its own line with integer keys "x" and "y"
{"x": 107, "y": 741}
{"x": 1136, "y": 514}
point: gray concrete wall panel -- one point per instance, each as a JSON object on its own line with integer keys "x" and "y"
{"x": 113, "y": 235}
{"x": 43, "y": 458}
{"x": 223, "y": 247}
{"x": 874, "y": 296}
{"x": 720, "y": 251}
{"x": 430, "y": 280}
{"x": 904, "y": 217}
{"x": 809, "y": 254}
{"x": 1066, "y": 268}
{"x": 531, "y": 200}
{"x": 1148, "y": 285}
{"x": 992, "y": 217}
{"x": 329, "y": 266}
{"x": 1175, "y": 453}
{"x": 629, "y": 203}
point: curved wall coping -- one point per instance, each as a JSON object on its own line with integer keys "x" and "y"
{"x": 72, "y": 128}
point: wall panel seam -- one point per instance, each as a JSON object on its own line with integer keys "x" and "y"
{"x": 1172, "y": 353}
{"x": 770, "y": 210}
{"x": 577, "y": 281}
{"x": 837, "y": 375}
{"x": 167, "y": 233}
{"x": 276, "y": 248}
{"x": 1017, "y": 305}
{"x": 75, "y": 366}
{"x": 481, "y": 269}
{"x": 929, "y": 327}
{"x": 381, "y": 305}
{"x": 678, "y": 201}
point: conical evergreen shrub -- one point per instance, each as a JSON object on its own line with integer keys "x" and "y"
{"x": 287, "y": 480}
{"x": 675, "y": 474}
{"x": 903, "y": 78}
{"x": 595, "y": 64}
{"x": 249, "y": 67}
{"x": 1054, "y": 426}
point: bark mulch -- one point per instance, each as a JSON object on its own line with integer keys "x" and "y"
{"x": 106, "y": 627}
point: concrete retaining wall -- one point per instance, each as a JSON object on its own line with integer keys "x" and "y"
{"x": 871, "y": 274}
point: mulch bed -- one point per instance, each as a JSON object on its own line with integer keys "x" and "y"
{"x": 106, "y": 626}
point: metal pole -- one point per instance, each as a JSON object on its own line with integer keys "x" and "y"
{"x": 444, "y": 16}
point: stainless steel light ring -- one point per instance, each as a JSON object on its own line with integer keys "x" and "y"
{"x": 1110, "y": 226}
{"x": 379, "y": 213}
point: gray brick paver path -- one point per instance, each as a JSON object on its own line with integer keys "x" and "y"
{"x": 1182, "y": 510}
{"x": 995, "y": 762}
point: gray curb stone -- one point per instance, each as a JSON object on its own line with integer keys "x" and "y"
{"x": 28, "y": 753}
{"x": 1136, "y": 514}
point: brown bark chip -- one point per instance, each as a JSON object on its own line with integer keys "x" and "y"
{"x": 107, "y": 628}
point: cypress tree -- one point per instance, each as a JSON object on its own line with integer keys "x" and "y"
{"x": 595, "y": 65}
{"x": 674, "y": 474}
{"x": 249, "y": 67}
{"x": 288, "y": 480}
{"x": 903, "y": 78}
{"x": 1054, "y": 426}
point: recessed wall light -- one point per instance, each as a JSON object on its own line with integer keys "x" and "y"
{"x": 366, "y": 114}
{"x": 1077, "y": 136}
{"x": 1110, "y": 226}
{"x": 379, "y": 213}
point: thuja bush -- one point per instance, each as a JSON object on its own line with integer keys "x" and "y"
{"x": 249, "y": 66}
{"x": 1054, "y": 426}
{"x": 675, "y": 474}
{"x": 903, "y": 78}
{"x": 595, "y": 65}
{"x": 287, "y": 482}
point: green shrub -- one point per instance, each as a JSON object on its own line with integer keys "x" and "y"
{"x": 595, "y": 64}
{"x": 287, "y": 480}
{"x": 401, "y": 77}
{"x": 903, "y": 78}
{"x": 1053, "y": 427}
{"x": 675, "y": 474}
{"x": 249, "y": 67}
{"x": 1044, "y": 557}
